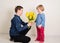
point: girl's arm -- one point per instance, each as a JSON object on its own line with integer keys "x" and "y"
{"x": 43, "y": 20}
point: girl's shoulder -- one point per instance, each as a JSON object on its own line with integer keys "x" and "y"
{"x": 43, "y": 14}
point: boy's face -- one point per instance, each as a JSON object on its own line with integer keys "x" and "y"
{"x": 20, "y": 12}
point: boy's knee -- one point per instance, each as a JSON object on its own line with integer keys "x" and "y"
{"x": 29, "y": 39}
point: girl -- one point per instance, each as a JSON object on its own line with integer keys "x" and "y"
{"x": 40, "y": 23}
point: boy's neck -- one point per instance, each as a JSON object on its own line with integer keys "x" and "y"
{"x": 18, "y": 14}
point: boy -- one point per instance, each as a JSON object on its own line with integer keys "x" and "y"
{"x": 18, "y": 28}
{"x": 40, "y": 23}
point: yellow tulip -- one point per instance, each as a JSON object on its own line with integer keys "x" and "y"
{"x": 31, "y": 16}
{"x": 27, "y": 14}
{"x": 31, "y": 13}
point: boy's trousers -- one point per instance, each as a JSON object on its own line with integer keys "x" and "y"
{"x": 22, "y": 37}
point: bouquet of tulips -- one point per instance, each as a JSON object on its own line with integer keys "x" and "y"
{"x": 31, "y": 16}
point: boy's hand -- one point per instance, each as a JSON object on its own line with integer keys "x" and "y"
{"x": 30, "y": 24}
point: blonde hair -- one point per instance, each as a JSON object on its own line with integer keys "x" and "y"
{"x": 40, "y": 6}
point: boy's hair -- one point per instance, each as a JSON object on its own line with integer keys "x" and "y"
{"x": 40, "y": 6}
{"x": 18, "y": 8}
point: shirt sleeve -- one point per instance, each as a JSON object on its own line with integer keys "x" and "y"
{"x": 24, "y": 23}
{"x": 43, "y": 20}
{"x": 18, "y": 25}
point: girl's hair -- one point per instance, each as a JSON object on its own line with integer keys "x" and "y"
{"x": 40, "y": 6}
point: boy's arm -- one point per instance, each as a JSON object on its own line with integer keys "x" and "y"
{"x": 24, "y": 22}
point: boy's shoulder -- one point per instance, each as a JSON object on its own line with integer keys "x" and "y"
{"x": 15, "y": 17}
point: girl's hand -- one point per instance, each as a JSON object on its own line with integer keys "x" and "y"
{"x": 39, "y": 26}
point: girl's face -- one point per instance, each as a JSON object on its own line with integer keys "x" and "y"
{"x": 39, "y": 10}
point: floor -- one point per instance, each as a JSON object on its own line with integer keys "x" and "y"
{"x": 4, "y": 38}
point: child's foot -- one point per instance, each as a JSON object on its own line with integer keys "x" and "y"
{"x": 11, "y": 39}
{"x": 41, "y": 42}
{"x": 36, "y": 40}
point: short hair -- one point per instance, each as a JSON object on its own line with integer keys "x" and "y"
{"x": 40, "y": 6}
{"x": 18, "y": 8}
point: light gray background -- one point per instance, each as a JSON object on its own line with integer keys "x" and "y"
{"x": 52, "y": 13}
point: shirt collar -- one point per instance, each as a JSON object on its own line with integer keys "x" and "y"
{"x": 17, "y": 15}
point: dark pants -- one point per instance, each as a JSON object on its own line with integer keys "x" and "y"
{"x": 22, "y": 37}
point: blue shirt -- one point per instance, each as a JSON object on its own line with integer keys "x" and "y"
{"x": 17, "y": 25}
{"x": 40, "y": 19}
